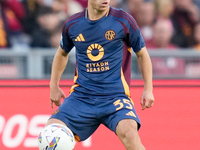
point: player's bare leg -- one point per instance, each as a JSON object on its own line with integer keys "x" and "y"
{"x": 126, "y": 130}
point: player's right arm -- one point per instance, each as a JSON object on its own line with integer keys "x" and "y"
{"x": 59, "y": 63}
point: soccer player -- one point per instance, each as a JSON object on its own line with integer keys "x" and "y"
{"x": 103, "y": 37}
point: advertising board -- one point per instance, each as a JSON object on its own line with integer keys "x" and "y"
{"x": 172, "y": 123}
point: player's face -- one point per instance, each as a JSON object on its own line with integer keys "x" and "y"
{"x": 99, "y": 5}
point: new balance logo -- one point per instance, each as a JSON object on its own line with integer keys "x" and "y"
{"x": 131, "y": 113}
{"x": 79, "y": 38}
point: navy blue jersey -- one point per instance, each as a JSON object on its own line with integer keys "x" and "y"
{"x": 103, "y": 51}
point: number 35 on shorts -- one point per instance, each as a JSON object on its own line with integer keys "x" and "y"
{"x": 124, "y": 103}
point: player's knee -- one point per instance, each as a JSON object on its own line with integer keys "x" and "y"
{"x": 127, "y": 128}
{"x": 56, "y": 136}
{"x": 128, "y": 134}
{"x": 131, "y": 140}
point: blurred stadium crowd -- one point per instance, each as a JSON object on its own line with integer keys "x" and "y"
{"x": 168, "y": 24}
{"x": 164, "y": 24}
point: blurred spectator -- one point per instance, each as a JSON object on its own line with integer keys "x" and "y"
{"x": 123, "y": 4}
{"x": 83, "y": 3}
{"x": 14, "y": 13}
{"x": 48, "y": 21}
{"x": 184, "y": 18}
{"x": 11, "y": 15}
{"x": 164, "y": 8}
{"x": 66, "y": 8}
{"x": 133, "y": 7}
{"x": 145, "y": 17}
{"x": 31, "y": 8}
{"x": 4, "y": 34}
{"x": 197, "y": 37}
{"x": 55, "y": 36}
{"x": 114, "y": 3}
{"x": 44, "y": 20}
{"x": 193, "y": 65}
{"x": 162, "y": 33}
{"x": 197, "y": 2}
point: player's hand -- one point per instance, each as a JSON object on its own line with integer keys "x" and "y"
{"x": 147, "y": 99}
{"x": 56, "y": 95}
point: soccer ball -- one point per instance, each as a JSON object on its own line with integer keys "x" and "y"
{"x": 56, "y": 137}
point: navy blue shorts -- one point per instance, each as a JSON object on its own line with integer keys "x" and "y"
{"x": 84, "y": 115}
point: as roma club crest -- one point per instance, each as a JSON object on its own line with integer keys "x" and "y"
{"x": 110, "y": 35}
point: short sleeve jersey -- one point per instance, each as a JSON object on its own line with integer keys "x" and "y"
{"x": 103, "y": 51}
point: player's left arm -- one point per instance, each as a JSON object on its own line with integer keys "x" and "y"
{"x": 144, "y": 61}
